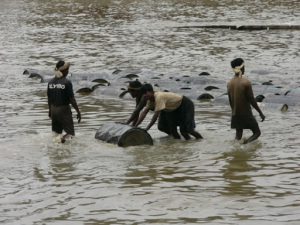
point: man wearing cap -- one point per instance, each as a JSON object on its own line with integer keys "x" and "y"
{"x": 60, "y": 95}
{"x": 172, "y": 110}
{"x": 241, "y": 99}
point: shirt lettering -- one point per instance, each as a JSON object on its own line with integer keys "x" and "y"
{"x": 57, "y": 86}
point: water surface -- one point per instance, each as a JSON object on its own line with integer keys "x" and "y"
{"x": 212, "y": 181}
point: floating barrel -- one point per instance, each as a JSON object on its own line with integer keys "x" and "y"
{"x": 123, "y": 135}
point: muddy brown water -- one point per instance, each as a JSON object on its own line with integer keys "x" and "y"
{"x": 212, "y": 181}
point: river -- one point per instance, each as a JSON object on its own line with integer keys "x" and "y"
{"x": 212, "y": 181}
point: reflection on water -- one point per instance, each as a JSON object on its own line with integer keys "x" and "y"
{"x": 211, "y": 181}
{"x": 237, "y": 172}
{"x": 61, "y": 164}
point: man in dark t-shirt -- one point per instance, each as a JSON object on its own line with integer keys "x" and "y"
{"x": 60, "y": 96}
{"x": 241, "y": 99}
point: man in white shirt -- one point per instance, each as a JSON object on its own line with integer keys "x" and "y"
{"x": 172, "y": 110}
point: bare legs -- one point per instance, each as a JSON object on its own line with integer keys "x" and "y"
{"x": 65, "y": 137}
{"x": 174, "y": 133}
{"x": 238, "y": 134}
{"x": 194, "y": 133}
{"x": 256, "y": 133}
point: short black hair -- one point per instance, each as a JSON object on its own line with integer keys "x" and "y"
{"x": 146, "y": 87}
{"x": 237, "y": 62}
{"x": 60, "y": 63}
{"x": 135, "y": 84}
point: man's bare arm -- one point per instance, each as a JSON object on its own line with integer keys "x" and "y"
{"x": 153, "y": 120}
{"x": 254, "y": 103}
{"x": 75, "y": 106}
{"x": 142, "y": 116}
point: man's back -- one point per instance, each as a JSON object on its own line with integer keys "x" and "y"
{"x": 60, "y": 91}
{"x": 240, "y": 93}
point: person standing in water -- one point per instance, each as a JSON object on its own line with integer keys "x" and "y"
{"x": 241, "y": 98}
{"x": 172, "y": 110}
{"x": 60, "y": 95}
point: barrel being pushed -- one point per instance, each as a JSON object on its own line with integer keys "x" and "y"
{"x": 123, "y": 135}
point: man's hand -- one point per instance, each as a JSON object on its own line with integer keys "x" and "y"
{"x": 262, "y": 116}
{"x": 78, "y": 117}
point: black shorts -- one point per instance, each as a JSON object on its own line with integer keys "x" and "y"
{"x": 183, "y": 117}
{"x": 61, "y": 117}
{"x": 244, "y": 122}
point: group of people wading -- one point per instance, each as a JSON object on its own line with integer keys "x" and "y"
{"x": 171, "y": 109}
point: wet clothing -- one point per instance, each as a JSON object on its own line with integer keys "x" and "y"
{"x": 244, "y": 122}
{"x": 175, "y": 110}
{"x": 59, "y": 92}
{"x": 166, "y": 101}
{"x": 240, "y": 94}
{"x": 61, "y": 117}
{"x": 183, "y": 117}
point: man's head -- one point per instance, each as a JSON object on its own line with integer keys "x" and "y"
{"x": 62, "y": 69}
{"x": 134, "y": 88}
{"x": 238, "y": 66}
{"x": 147, "y": 90}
